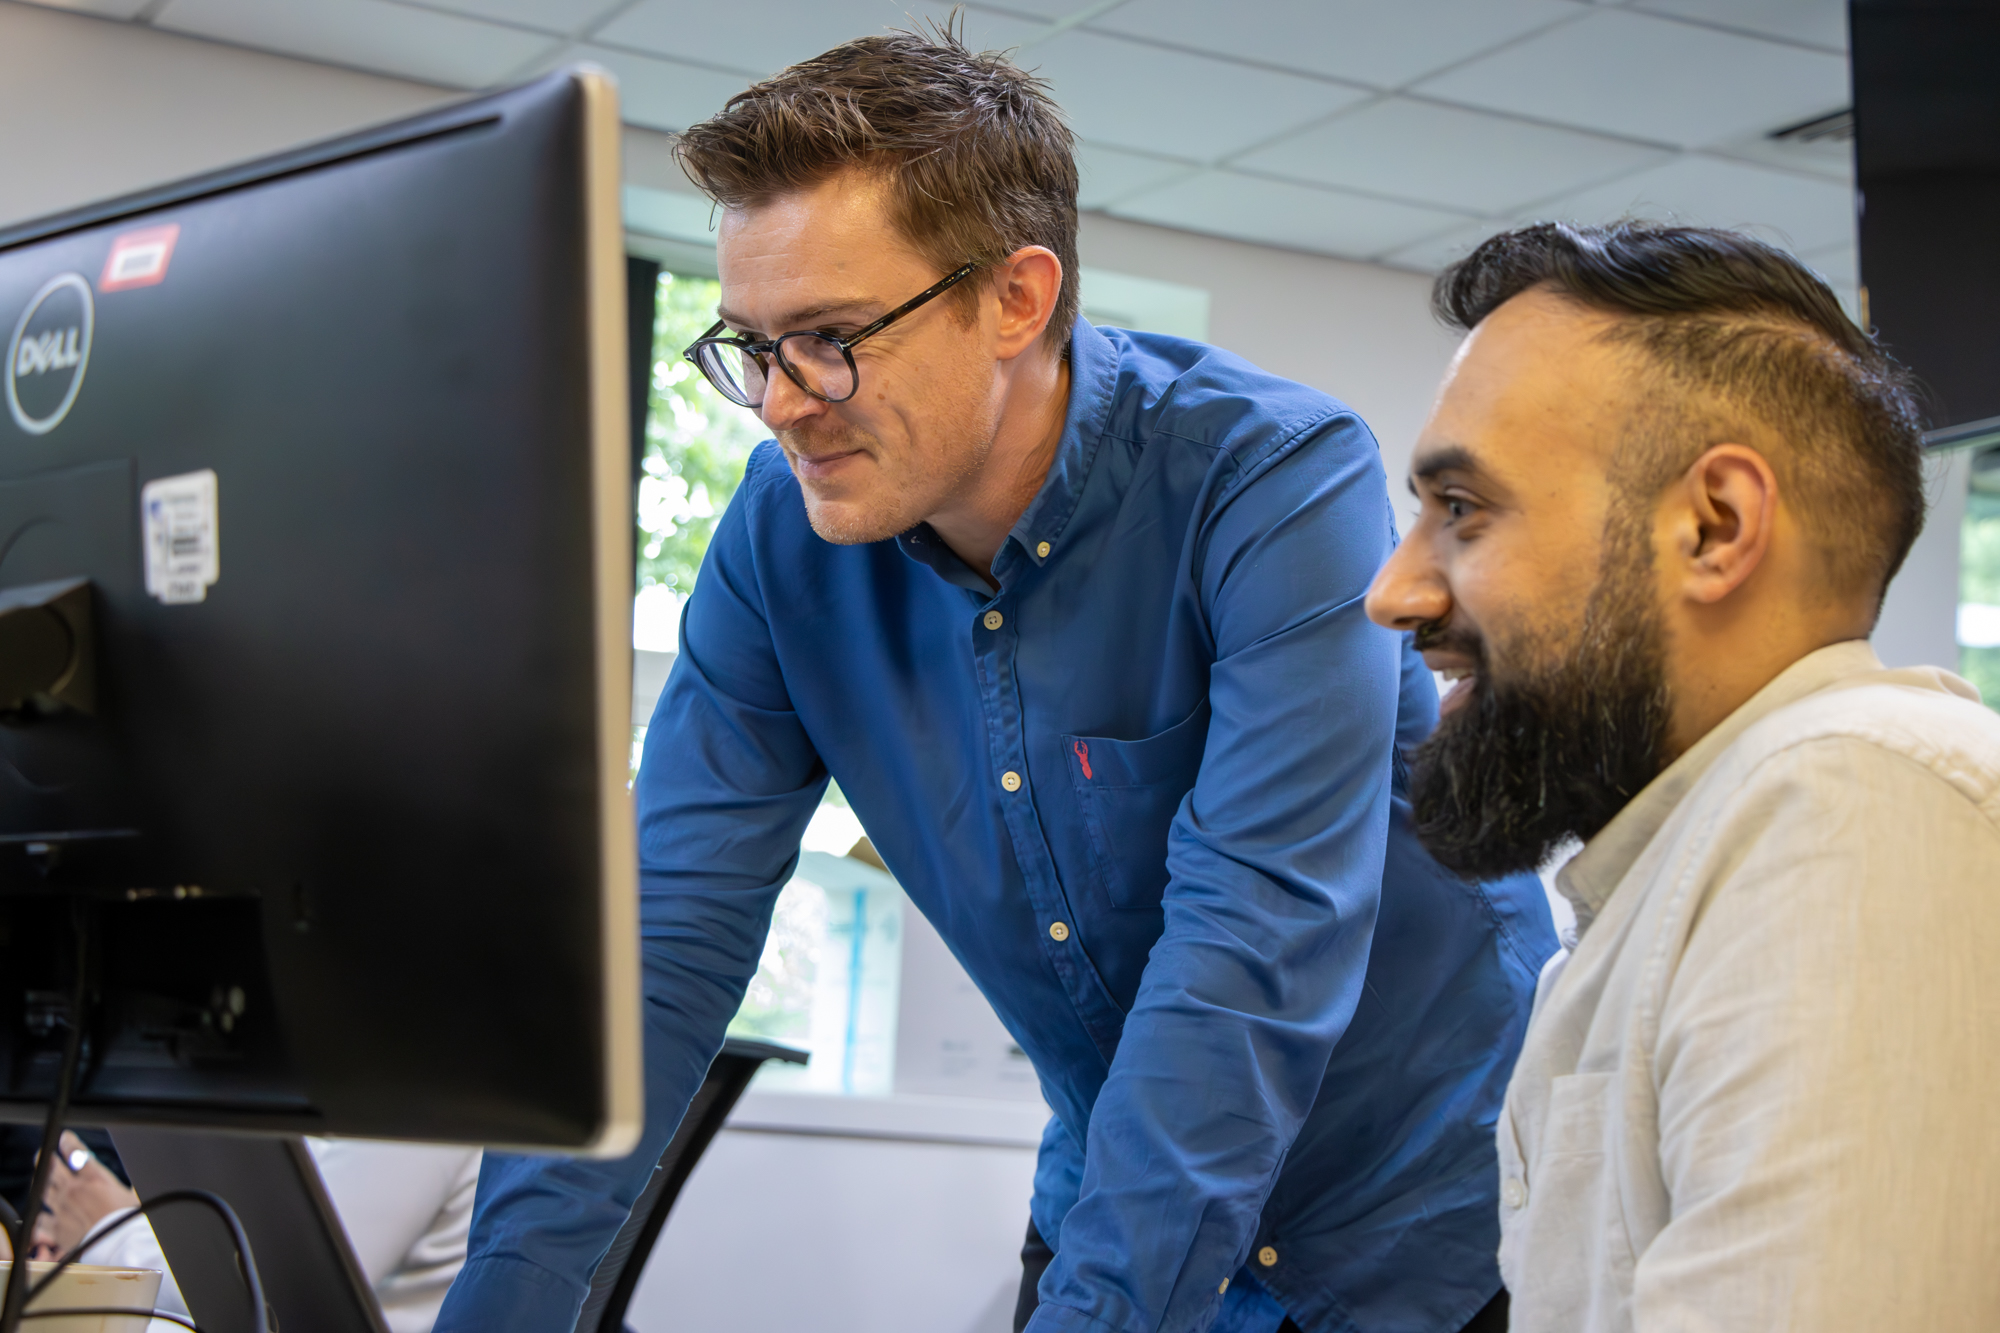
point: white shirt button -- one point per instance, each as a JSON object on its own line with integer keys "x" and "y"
{"x": 1043, "y": 550}
{"x": 1058, "y": 932}
{"x": 1011, "y": 780}
{"x": 992, "y": 620}
{"x": 1513, "y": 1193}
{"x": 1223, "y": 1288}
{"x": 1267, "y": 1257}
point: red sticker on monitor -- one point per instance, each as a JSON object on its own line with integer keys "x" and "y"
{"x": 139, "y": 258}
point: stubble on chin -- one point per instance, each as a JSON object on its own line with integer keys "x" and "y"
{"x": 896, "y": 492}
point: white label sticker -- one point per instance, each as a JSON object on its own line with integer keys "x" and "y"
{"x": 182, "y": 556}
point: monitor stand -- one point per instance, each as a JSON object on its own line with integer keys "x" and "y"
{"x": 312, "y": 1281}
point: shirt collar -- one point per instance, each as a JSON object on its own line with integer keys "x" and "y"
{"x": 1093, "y": 376}
{"x": 1591, "y": 875}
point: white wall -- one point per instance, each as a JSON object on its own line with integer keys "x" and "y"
{"x": 90, "y": 108}
{"x": 1919, "y": 625}
{"x": 1357, "y": 331}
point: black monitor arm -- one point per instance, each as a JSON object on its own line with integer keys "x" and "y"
{"x": 47, "y": 654}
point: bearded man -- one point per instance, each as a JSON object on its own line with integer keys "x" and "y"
{"x": 1074, "y": 616}
{"x": 1663, "y": 490}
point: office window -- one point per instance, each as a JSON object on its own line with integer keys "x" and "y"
{"x": 1979, "y": 580}
{"x": 828, "y": 978}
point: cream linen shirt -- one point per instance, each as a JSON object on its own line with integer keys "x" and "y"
{"x": 1760, "y": 1091}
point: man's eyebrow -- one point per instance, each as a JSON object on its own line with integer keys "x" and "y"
{"x": 802, "y": 318}
{"x": 1446, "y": 458}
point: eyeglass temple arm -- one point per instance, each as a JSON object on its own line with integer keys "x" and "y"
{"x": 949, "y": 280}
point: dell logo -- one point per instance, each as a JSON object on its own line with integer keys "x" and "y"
{"x": 49, "y": 352}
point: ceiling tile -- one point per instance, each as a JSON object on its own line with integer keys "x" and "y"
{"x": 364, "y": 34}
{"x": 561, "y": 17}
{"x": 664, "y": 94}
{"x": 1298, "y": 217}
{"x": 111, "y": 9}
{"x": 1429, "y": 153}
{"x": 1802, "y": 213}
{"x": 1110, "y": 174}
{"x": 763, "y": 38}
{"x": 1821, "y": 23}
{"x": 1434, "y": 252}
{"x": 1651, "y": 78}
{"x": 1382, "y": 45}
{"x": 1129, "y": 95}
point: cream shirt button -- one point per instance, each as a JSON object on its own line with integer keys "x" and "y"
{"x": 993, "y": 620}
{"x": 1011, "y": 780}
{"x": 1267, "y": 1256}
{"x": 1514, "y": 1194}
{"x": 1058, "y": 932}
{"x": 1043, "y": 550}
{"x": 1223, "y": 1288}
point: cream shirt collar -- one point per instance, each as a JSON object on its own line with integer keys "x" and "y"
{"x": 1591, "y": 875}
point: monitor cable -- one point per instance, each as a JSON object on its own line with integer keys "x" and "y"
{"x": 16, "y": 1298}
{"x": 19, "y": 1292}
{"x": 246, "y": 1261}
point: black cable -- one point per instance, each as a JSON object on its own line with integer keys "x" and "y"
{"x": 245, "y": 1260}
{"x": 133, "y": 1311}
{"x": 16, "y": 1299}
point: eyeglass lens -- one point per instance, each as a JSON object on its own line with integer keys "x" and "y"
{"x": 817, "y": 365}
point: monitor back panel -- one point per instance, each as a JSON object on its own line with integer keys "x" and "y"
{"x": 330, "y": 459}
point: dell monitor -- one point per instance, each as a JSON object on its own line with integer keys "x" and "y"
{"x": 315, "y": 644}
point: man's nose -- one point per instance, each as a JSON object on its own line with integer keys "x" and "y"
{"x": 785, "y": 403}
{"x": 1408, "y": 591}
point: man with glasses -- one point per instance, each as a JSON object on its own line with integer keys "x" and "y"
{"x": 1074, "y": 617}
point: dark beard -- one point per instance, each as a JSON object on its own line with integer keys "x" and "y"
{"x": 1528, "y": 763}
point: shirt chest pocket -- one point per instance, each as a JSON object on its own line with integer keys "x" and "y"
{"x": 1128, "y": 792}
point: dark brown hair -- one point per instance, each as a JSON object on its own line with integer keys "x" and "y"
{"x": 978, "y": 157}
{"x": 1736, "y": 328}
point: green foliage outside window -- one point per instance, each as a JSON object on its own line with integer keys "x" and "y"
{"x": 1979, "y": 584}
{"x": 696, "y": 442}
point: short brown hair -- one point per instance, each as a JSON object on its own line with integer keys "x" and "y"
{"x": 978, "y": 157}
{"x": 1735, "y": 326}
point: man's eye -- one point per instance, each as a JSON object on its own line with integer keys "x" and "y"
{"x": 1456, "y": 508}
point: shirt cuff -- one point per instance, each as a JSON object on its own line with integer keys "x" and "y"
{"x": 1066, "y": 1319}
{"x": 504, "y": 1295}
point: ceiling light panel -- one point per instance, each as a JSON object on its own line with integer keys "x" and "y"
{"x": 664, "y": 94}
{"x": 1297, "y": 217}
{"x": 364, "y": 34}
{"x": 1650, "y": 78}
{"x": 763, "y": 38}
{"x": 1366, "y": 41}
{"x": 1821, "y": 23}
{"x": 1434, "y": 154}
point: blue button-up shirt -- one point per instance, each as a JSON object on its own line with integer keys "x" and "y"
{"x": 1147, "y": 792}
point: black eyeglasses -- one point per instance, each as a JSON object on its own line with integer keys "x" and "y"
{"x": 822, "y": 364}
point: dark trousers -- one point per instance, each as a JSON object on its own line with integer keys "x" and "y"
{"x": 1036, "y": 1255}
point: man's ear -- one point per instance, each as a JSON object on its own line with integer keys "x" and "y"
{"x": 1728, "y": 503}
{"x": 1027, "y": 283}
